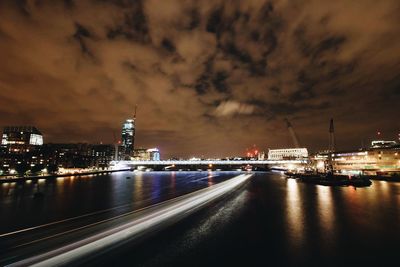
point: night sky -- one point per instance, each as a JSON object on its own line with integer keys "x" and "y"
{"x": 209, "y": 77}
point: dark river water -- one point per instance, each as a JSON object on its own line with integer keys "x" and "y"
{"x": 270, "y": 221}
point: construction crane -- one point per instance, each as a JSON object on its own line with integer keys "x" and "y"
{"x": 292, "y": 134}
{"x": 332, "y": 145}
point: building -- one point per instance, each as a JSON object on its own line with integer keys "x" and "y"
{"x": 128, "y": 137}
{"x": 140, "y": 154}
{"x": 261, "y": 155}
{"x": 320, "y": 161}
{"x": 79, "y": 155}
{"x": 22, "y": 152}
{"x": 21, "y": 139}
{"x": 119, "y": 151}
{"x": 146, "y": 154}
{"x": 383, "y": 144}
{"x": 382, "y": 158}
{"x": 101, "y": 155}
{"x": 68, "y": 155}
{"x": 287, "y": 154}
{"x": 154, "y": 154}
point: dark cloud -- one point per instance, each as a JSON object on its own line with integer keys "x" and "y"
{"x": 210, "y": 77}
{"x": 80, "y": 34}
{"x": 168, "y": 45}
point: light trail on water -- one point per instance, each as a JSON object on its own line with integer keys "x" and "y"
{"x": 155, "y": 218}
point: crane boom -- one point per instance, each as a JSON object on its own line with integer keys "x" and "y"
{"x": 292, "y": 133}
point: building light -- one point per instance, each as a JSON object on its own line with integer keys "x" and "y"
{"x": 320, "y": 165}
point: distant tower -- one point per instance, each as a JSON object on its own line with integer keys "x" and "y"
{"x": 331, "y": 137}
{"x": 292, "y": 134}
{"x": 128, "y": 135}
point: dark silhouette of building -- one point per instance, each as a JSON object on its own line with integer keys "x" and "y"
{"x": 101, "y": 155}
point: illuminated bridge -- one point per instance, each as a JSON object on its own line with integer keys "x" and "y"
{"x": 207, "y": 164}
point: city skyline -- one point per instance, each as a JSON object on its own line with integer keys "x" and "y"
{"x": 209, "y": 78}
{"x": 204, "y": 133}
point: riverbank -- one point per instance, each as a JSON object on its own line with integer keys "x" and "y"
{"x": 383, "y": 178}
{"x": 53, "y": 176}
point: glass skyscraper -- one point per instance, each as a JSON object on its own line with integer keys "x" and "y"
{"x": 128, "y": 136}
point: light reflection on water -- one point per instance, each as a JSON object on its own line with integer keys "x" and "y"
{"x": 294, "y": 211}
{"x": 137, "y": 189}
{"x": 156, "y": 187}
{"x": 382, "y": 190}
{"x": 173, "y": 181}
{"x": 210, "y": 179}
{"x": 326, "y": 212}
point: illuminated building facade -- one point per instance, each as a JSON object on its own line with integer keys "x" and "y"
{"x": 287, "y": 154}
{"x": 21, "y": 139}
{"x": 382, "y": 158}
{"x": 375, "y": 161}
{"x": 147, "y": 154}
{"x": 383, "y": 144}
{"x": 154, "y": 154}
{"x": 128, "y": 137}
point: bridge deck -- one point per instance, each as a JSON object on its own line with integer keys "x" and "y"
{"x": 205, "y": 162}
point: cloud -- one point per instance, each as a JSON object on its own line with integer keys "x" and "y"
{"x": 77, "y": 68}
{"x": 229, "y": 108}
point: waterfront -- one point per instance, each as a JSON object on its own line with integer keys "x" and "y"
{"x": 270, "y": 220}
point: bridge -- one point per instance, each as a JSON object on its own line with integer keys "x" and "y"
{"x": 207, "y": 164}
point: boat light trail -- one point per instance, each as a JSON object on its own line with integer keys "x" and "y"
{"x": 148, "y": 221}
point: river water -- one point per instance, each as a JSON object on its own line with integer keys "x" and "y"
{"x": 270, "y": 221}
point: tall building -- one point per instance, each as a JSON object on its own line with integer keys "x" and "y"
{"x": 128, "y": 136}
{"x": 21, "y": 139}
